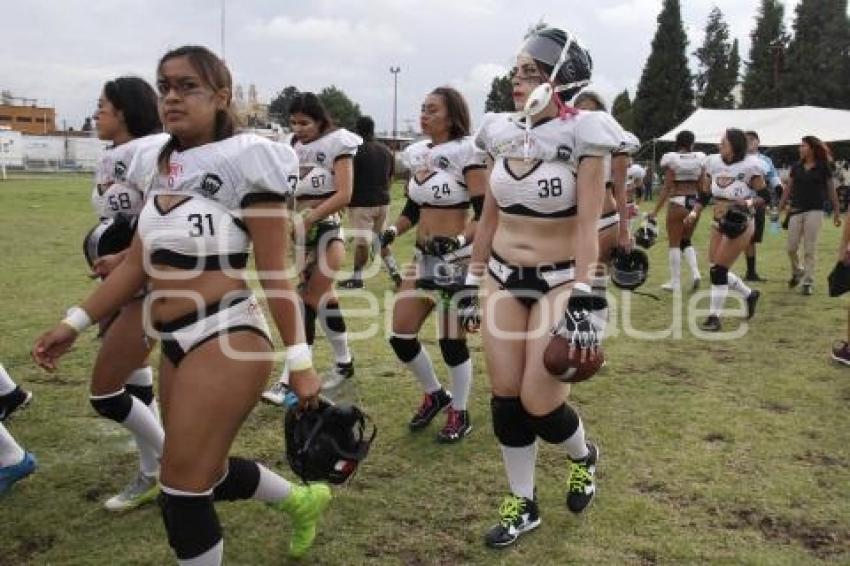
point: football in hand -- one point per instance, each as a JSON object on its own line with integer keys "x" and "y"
{"x": 570, "y": 364}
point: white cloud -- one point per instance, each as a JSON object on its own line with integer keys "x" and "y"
{"x": 476, "y": 84}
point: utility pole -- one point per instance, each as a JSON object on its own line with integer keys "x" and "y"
{"x": 223, "y": 2}
{"x": 395, "y": 71}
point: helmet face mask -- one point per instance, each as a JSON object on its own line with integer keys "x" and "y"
{"x": 629, "y": 270}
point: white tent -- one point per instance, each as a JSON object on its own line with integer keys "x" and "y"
{"x": 775, "y": 126}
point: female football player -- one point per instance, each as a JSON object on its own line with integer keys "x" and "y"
{"x": 447, "y": 173}
{"x": 325, "y": 183}
{"x": 211, "y": 195}
{"x": 15, "y": 462}
{"x": 540, "y": 231}
{"x": 684, "y": 172}
{"x": 731, "y": 178}
{"x": 122, "y": 381}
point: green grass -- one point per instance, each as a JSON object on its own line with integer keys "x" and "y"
{"x": 712, "y": 452}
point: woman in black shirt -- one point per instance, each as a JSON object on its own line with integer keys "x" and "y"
{"x": 811, "y": 179}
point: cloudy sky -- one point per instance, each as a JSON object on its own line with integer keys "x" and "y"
{"x": 61, "y": 51}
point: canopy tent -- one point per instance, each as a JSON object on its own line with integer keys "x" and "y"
{"x": 775, "y": 126}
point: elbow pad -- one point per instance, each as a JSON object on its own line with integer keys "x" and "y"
{"x": 477, "y": 207}
{"x": 411, "y": 212}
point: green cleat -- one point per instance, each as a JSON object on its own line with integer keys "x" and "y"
{"x": 143, "y": 489}
{"x": 304, "y": 507}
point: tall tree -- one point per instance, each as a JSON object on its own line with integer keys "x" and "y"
{"x": 343, "y": 110}
{"x": 279, "y": 106}
{"x": 716, "y": 78}
{"x": 500, "y": 97}
{"x": 623, "y": 112}
{"x": 665, "y": 94}
{"x": 816, "y": 61}
{"x": 761, "y": 88}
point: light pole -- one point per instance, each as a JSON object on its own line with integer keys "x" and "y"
{"x": 395, "y": 71}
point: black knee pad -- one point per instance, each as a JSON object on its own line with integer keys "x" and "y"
{"x": 405, "y": 348}
{"x": 510, "y": 422}
{"x": 115, "y": 407}
{"x": 309, "y": 324}
{"x": 241, "y": 481}
{"x": 190, "y": 522}
{"x": 143, "y": 393}
{"x": 557, "y": 426}
{"x": 685, "y": 244}
{"x": 333, "y": 318}
{"x": 719, "y": 275}
{"x": 454, "y": 350}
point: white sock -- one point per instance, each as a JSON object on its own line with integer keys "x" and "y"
{"x": 736, "y": 284}
{"x": 143, "y": 377}
{"x": 691, "y": 259}
{"x": 576, "y": 445}
{"x": 211, "y": 557}
{"x": 338, "y": 340}
{"x": 11, "y": 452}
{"x": 272, "y": 487}
{"x": 423, "y": 369}
{"x": 461, "y": 384}
{"x": 284, "y": 375}
{"x": 146, "y": 430}
{"x": 674, "y": 258}
{"x": 519, "y": 467}
{"x": 718, "y": 299}
{"x": 390, "y": 262}
{"x": 357, "y": 273}
{"x": 6, "y": 383}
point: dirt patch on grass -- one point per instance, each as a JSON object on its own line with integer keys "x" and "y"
{"x": 646, "y": 557}
{"x": 27, "y": 548}
{"x": 823, "y": 541}
{"x": 715, "y": 437}
{"x": 821, "y": 459}
{"x": 777, "y": 407}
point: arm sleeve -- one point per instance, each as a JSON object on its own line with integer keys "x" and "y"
{"x": 270, "y": 172}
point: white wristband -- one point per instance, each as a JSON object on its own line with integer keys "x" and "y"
{"x": 299, "y": 357}
{"x": 77, "y": 318}
{"x": 393, "y": 229}
{"x": 461, "y": 240}
{"x": 473, "y": 280}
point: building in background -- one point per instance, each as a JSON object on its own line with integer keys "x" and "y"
{"x": 23, "y": 115}
{"x": 251, "y": 112}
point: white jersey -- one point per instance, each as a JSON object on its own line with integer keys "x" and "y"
{"x": 534, "y": 173}
{"x": 316, "y": 162}
{"x": 113, "y": 193}
{"x": 629, "y": 146}
{"x": 731, "y": 181}
{"x": 206, "y": 230}
{"x": 437, "y": 172}
{"x": 685, "y": 166}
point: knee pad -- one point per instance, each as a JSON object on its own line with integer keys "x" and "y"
{"x": 405, "y": 348}
{"x": 510, "y": 422}
{"x": 557, "y": 426}
{"x": 685, "y": 244}
{"x": 719, "y": 275}
{"x": 115, "y": 407}
{"x": 455, "y": 351}
{"x": 333, "y": 318}
{"x": 239, "y": 482}
{"x": 143, "y": 393}
{"x": 309, "y": 324}
{"x": 190, "y": 522}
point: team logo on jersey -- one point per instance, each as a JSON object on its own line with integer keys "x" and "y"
{"x": 210, "y": 184}
{"x": 175, "y": 170}
{"x": 120, "y": 170}
{"x": 564, "y": 152}
{"x": 320, "y": 157}
{"x": 443, "y": 162}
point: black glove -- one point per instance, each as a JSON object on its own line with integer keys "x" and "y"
{"x": 388, "y": 236}
{"x": 442, "y": 245}
{"x": 577, "y": 325}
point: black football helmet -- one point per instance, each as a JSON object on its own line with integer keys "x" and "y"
{"x": 326, "y": 443}
{"x": 569, "y": 60}
{"x": 109, "y": 237}
{"x": 646, "y": 235}
{"x": 629, "y": 270}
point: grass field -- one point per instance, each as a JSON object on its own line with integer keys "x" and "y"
{"x": 730, "y": 452}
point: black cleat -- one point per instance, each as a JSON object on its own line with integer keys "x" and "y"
{"x": 517, "y": 516}
{"x": 13, "y": 401}
{"x": 711, "y": 324}
{"x": 457, "y": 426}
{"x": 796, "y": 277}
{"x": 582, "y": 486}
{"x": 432, "y": 403}
{"x": 752, "y": 300}
{"x": 350, "y": 284}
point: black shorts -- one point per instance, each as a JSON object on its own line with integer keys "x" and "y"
{"x": 528, "y": 284}
{"x": 759, "y": 220}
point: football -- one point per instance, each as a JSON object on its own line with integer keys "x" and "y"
{"x": 566, "y": 364}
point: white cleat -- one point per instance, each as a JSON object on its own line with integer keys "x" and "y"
{"x": 670, "y": 286}
{"x": 143, "y": 489}
{"x": 274, "y": 395}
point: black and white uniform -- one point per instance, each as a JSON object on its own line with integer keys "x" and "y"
{"x": 316, "y": 161}
{"x": 206, "y": 229}
{"x": 437, "y": 180}
{"x": 730, "y": 182}
{"x": 548, "y": 188}
{"x": 116, "y": 199}
{"x": 685, "y": 166}
{"x": 628, "y": 146}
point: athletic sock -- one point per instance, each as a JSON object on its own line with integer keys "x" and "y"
{"x": 212, "y": 557}
{"x": 423, "y": 369}
{"x": 718, "y": 299}
{"x": 391, "y": 263}
{"x": 333, "y": 324}
{"x": 674, "y": 259}
{"x": 576, "y": 445}
{"x": 751, "y": 265}
{"x": 11, "y": 452}
{"x": 691, "y": 258}
{"x": 6, "y": 383}
{"x": 461, "y": 384}
{"x": 520, "y": 463}
{"x": 272, "y": 487}
{"x": 736, "y": 284}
